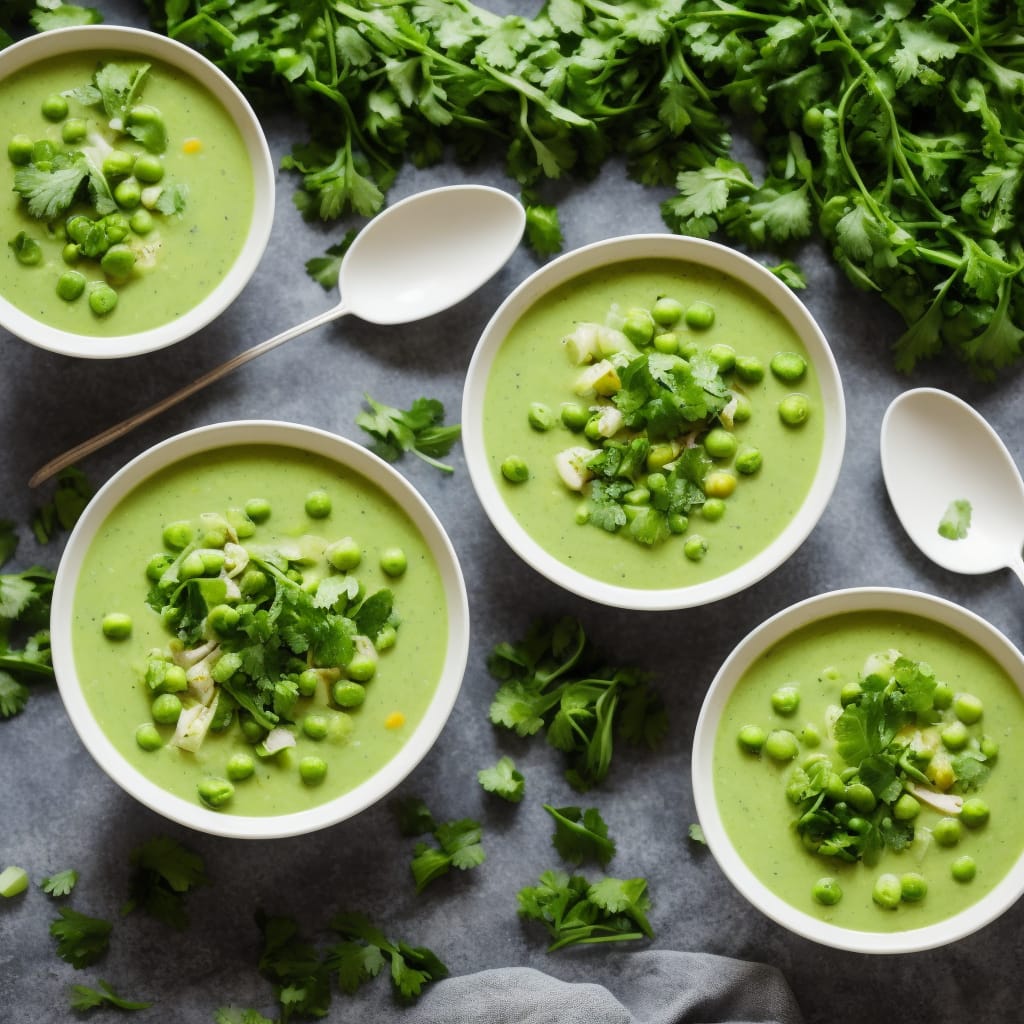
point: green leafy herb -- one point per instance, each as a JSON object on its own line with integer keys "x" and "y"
{"x": 71, "y": 494}
{"x": 230, "y": 1015}
{"x": 120, "y": 86}
{"x": 575, "y": 911}
{"x": 24, "y": 618}
{"x": 324, "y": 269}
{"x": 581, "y": 835}
{"x": 64, "y": 16}
{"x": 956, "y": 520}
{"x": 503, "y": 780}
{"x": 59, "y": 884}
{"x": 696, "y": 834}
{"x": 366, "y": 951}
{"x": 414, "y": 817}
{"x": 459, "y": 846}
{"x": 50, "y": 190}
{"x": 8, "y": 541}
{"x": 543, "y": 231}
{"x": 84, "y": 998}
{"x": 419, "y": 429}
{"x": 164, "y": 872}
{"x": 81, "y": 940}
{"x": 554, "y": 680}
{"x": 301, "y": 978}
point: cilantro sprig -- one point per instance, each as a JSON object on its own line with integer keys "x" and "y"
{"x": 504, "y": 780}
{"x": 83, "y": 998}
{"x": 458, "y": 842}
{"x": 164, "y": 872}
{"x": 81, "y": 940}
{"x": 555, "y": 681}
{"x": 581, "y": 835}
{"x": 24, "y": 620}
{"x": 419, "y": 429}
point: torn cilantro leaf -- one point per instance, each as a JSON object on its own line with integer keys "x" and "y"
{"x": 49, "y": 191}
{"x": 956, "y": 520}
{"x": 581, "y": 835}
{"x": 59, "y": 884}
{"x": 164, "y": 872}
{"x": 543, "y": 231}
{"x": 71, "y": 494}
{"x": 459, "y": 846}
{"x": 81, "y": 940}
{"x": 503, "y": 780}
{"x": 325, "y": 269}
{"x": 83, "y": 998}
{"x": 419, "y": 429}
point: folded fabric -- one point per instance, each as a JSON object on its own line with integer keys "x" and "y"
{"x": 652, "y": 987}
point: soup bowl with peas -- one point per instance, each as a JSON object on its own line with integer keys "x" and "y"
{"x": 136, "y": 187}
{"x": 653, "y": 422}
{"x": 258, "y": 628}
{"x": 856, "y": 770}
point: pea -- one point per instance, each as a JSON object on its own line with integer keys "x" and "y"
{"x": 574, "y": 416}
{"x": 175, "y": 680}
{"x": 826, "y": 891}
{"x": 71, "y": 254}
{"x": 55, "y": 107}
{"x": 967, "y": 708}
{"x": 913, "y": 887}
{"x": 313, "y": 770}
{"x": 393, "y": 562}
{"x": 688, "y": 348}
{"x": 748, "y": 461}
{"x": 13, "y": 881}
{"x": 788, "y": 366}
{"x": 148, "y": 737}
{"x": 659, "y": 456}
{"x": 887, "y": 892}
{"x": 699, "y": 315}
{"x": 148, "y": 168}
{"x": 344, "y": 554}
{"x": 386, "y": 638}
{"x": 257, "y": 509}
{"x": 43, "y": 152}
{"x": 666, "y": 342}
{"x": 252, "y": 730}
{"x": 794, "y": 410}
{"x": 128, "y": 194}
{"x": 27, "y": 251}
{"x": 809, "y": 736}
{"x": 222, "y": 618}
{"x": 781, "y": 745}
{"x": 315, "y": 726}
{"x": 515, "y": 470}
{"x": 695, "y": 547}
{"x": 963, "y": 869}
{"x": 70, "y": 285}
{"x": 849, "y": 693}
{"x": 678, "y": 523}
{"x": 318, "y": 505}
{"x": 713, "y": 509}
{"x": 752, "y": 738}
{"x": 117, "y": 626}
{"x": 749, "y": 369}
{"x": 785, "y": 700}
{"x": 719, "y": 443}
{"x": 743, "y": 411}
{"x": 362, "y": 668}
{"x": 540, "y": 417}
{"x": 638, "y": 326}
{"x": 348, "y": 694}
{"x": 116, "y": 228}
{"x": 166, "y": 709}
{"x": 19, "y": 150}
{"x": 215, "y": 792}
{"x": 118, "y": 164}
{"x": 308, "y": 681}
{"x": 947, "y": 831}
{"x": 719, "y": 483}
{"x": 192, "y": 566}
{"x": 667, "y": 311}
{"x": 240, "y": 766}
{"x": 954, "y": 736}
{"x": 989, "y": 747}
{"x": 724, "y": 357}
{"x": 157, "y": 566}
{"x": 102, "y": 299}
{"x": 974, "y": 812}
{"x": 906, "y": 808}
{"x": 73, "y": 130}
{"x": 942, "y": 696}
{"x": 637, "y": 496}
{"x": 141, "y": 222}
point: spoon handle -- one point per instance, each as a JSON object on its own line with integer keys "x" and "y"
{"x": 1017, "y": 566}
{"x": 130, "y": 423}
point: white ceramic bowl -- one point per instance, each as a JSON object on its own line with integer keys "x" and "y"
{"x": 653, "y": 247}
{"x": 950, "y": 616}
{"x": 355, "y": 459}
{"x": 138, "y": 43}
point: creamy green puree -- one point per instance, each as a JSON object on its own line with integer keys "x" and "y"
{"x": 532, "y": 367}
{"x": 185, "y": 255}
{"x": 113, "y": 579}
{"x": 750, "y": 790}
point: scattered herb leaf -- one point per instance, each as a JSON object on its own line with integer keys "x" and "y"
{"x": 164, "y": 872}
{"x": 581, "y": 835}
{"x": 81, "y": 940}
{"x": 84, "y": 998}
{"x": 503, "y": 780}
{"x": 419, "y": 429}
{"x": 59, "y": 884}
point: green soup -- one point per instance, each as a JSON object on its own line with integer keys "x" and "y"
{"x": 750, "y": 790}
{"x": 532, "y": 367}
{"x": 113, "y": 579}
{"x": 185, "y": 254}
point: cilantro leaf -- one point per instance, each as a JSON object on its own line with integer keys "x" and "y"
{"x": 119, "y": 87}
{"x": 301, "y": 978}
{"x": 49, "y": 191}
{"x": 696, "y": 833}
{"x": 230, "y": 1015}
{"x": 164, "y": 872}
{"x": 59, "y": 884}
{"x": 325, "y": 269}
{"x": 956, "y": 520}
{"x": 459, "y": 846}
{"x": 503, "y": 780}
{"x": 81, "y": 940}
{"x": 72, "y": 493}
{"x": 64, "y": 16}
{"x": 581, "y": 835}
{"x": 83, "y": 998}
{"x": 419, "y": 429}
{"x": 414, "y": 817}
{"x": 543, "y": 231}
{"x": 13, "y": 696}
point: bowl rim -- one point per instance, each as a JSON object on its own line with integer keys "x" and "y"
{"x": 630, "y": 248}
{"x": 145, "y": 43}
{"x": 826, "y": 605}
{"x": 280, "y": 434}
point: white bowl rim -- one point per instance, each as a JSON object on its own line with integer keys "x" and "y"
{"x": 281, "y": 434}
{"x": 833, "y": 603}
{"x": 625, "y": 248}
{"x": 143, "y": 42}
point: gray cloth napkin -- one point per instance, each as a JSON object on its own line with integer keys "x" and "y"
{"x": 654, "y": 987}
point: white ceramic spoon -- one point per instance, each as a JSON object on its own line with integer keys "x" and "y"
{"x": 935, "y": 450}
{"x": 420, "y": 256}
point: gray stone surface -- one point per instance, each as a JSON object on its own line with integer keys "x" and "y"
{"x": 57, "y": 809}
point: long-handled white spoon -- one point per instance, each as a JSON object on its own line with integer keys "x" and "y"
{"x": 418, "y": 257}
{"x": 936, "y": 450}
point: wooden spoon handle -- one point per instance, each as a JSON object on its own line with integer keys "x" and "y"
{"x": 127, "y": 425}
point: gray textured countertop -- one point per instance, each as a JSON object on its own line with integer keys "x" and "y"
{"x": 57, "y": 808}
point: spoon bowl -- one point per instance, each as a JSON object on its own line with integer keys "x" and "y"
{"x": 936, "y": 449}
{"x": 422, "y": 255}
